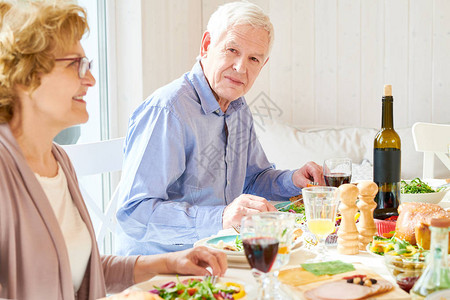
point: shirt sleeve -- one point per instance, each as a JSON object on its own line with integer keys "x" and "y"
{"x": 155, "y": 157}
{"x": 263, "y": 179}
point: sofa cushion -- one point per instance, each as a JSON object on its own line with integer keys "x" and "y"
{"x": 290, "y": 148}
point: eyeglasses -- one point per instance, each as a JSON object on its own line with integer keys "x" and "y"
{"x": 83, "y": 64}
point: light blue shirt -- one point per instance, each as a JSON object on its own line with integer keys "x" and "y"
{"x": 185, "y": 160}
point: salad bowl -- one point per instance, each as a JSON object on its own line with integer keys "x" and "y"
{"x": 417, "y": 190}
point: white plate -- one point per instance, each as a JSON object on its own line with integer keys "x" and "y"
{"x": 370, "y": 252}
{"x": 237, "y": 259}
{"x": 210, "y": 242}
{"x": 250, "y": 289}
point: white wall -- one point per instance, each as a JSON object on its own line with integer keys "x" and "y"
{"x": 328, "y": 64}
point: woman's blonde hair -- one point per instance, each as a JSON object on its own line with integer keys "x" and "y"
{"x": 31, "y": 32}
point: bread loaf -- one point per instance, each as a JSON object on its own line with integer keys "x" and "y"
{"x": 413, "y": 222}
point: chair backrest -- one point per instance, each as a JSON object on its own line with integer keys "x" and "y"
{"x": 98, "y": 158}
{"x": 432, "y": 139}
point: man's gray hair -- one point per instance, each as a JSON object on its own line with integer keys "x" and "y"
{"x": 238, "y": 13}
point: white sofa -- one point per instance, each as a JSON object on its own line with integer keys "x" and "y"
{"x": 289, "y": 148}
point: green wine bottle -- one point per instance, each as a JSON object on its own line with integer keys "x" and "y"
{"x": 387, "y": 161}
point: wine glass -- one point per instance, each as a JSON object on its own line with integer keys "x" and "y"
{"x": 321, "y": 204}
{"x": 337, "y": 171}
{"x": 267, "y": 241}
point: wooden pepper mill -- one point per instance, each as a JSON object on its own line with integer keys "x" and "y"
{"x": 348, "y": 233}
{"x": 366, "y": 205}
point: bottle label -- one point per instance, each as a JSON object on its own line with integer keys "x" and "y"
{"x": 386, "y": 165}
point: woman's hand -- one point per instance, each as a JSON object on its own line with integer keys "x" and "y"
{"x": 190, "y": 262}
{"x": 195, "y": 261}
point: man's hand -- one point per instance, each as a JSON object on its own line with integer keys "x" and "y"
{"x": 309, "y": 172}
{"x": 242, "y": 206}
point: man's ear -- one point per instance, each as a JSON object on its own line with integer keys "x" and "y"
{"x": 206, "y": 42}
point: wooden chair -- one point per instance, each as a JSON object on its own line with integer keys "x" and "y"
{"x": 432, "y": 139}
{"x": 102, "y": 157}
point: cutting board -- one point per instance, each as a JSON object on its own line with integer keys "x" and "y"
{"x": 302, "y": 281}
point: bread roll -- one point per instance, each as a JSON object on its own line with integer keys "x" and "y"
{"x": 414, "y": 220}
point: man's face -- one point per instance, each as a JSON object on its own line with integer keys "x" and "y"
{"x": 232, "y": 64}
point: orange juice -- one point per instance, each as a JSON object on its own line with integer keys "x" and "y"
{"x": 321, "y": 227}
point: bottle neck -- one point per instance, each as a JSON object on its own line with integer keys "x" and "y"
{"x": 387, "y": 120}
{"x": 439, "y": 246}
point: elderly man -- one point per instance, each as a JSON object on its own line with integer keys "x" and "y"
{"x": 193, "y": 164}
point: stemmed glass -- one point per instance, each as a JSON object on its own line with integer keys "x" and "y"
{"x": 321, "y": 204}
{"x": 337, "y": 171}
{"x": 267, "y": 241}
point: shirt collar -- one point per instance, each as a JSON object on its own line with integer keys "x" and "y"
{"x": 207, "y": 100}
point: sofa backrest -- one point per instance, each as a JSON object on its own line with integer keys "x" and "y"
{"x": 290, "y": 148}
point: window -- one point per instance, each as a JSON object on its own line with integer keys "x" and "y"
{"x": 96, "y": 188}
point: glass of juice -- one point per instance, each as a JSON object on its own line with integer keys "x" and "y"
{"x": 321, "y": 204}
{"x": 337, "y": 171}
{"x": 267, "y": 240}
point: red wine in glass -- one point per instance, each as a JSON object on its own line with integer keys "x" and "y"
{"x": 336, "y": 179}
{"x": 261, "y": 252}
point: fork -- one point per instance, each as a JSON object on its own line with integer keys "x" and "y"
{"x": 237, "y": 228}
{"x": 290, "y": 203}
{"x": 213, "y": 278}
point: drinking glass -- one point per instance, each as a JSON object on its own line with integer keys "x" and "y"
{"x": 337, "y": 171}
{"x": 321, "y": 204}
{"x": 267, "y": 240}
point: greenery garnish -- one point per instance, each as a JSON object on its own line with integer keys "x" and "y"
{"x": 328, "y": 267}
{"x": 416, "y": 186}
{"x": 238, "y": 243}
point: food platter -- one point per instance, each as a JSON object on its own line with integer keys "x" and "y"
{"x": 149, "y": 285}
{"x": 300, "y": 281}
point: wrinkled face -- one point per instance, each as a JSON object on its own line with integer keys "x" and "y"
{"x": 59, "y": 99}
{"x": 232, "y": 64}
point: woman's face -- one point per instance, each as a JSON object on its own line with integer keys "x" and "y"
{"x": 58, "y": 101}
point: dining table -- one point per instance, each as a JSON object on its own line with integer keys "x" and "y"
{"x": 241, "y": 272}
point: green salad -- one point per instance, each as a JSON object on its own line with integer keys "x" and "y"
{"x": 296, "y": 208}
{"x": 416, "y": 186}
{"x": 199, "y": 289}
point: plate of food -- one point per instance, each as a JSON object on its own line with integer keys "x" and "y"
{"x": 380, "y": 245}
{"x": 294, "y": 206}
{"x": 197, "y": 287}
{"x": 232, "y": 246}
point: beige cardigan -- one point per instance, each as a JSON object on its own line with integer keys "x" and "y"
{"x": 34, "y": 263}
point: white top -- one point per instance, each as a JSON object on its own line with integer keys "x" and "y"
{"x": 74, "y": 230}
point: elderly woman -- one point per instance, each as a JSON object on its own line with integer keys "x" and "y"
{"x": 47, "y": 243}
